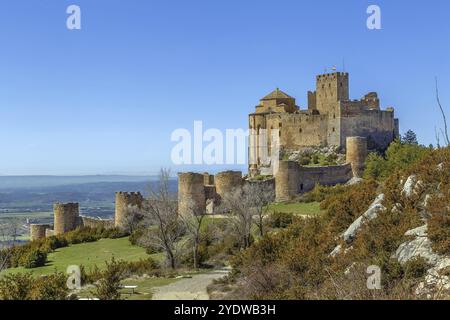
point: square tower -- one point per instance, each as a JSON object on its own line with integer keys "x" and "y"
{"x": 330, "y": 89}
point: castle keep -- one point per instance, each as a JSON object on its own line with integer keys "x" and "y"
{"x": 330, "y": 118}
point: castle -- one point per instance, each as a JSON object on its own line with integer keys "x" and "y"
{"x": 330, "y": 118}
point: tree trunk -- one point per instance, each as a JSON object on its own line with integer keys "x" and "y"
{"x": 195, "y": 256}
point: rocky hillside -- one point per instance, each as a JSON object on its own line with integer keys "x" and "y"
{"x": 399, "y": 226}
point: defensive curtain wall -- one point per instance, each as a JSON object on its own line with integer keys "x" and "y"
{"x": 66, "y": 217}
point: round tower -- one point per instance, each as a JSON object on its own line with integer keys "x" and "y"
{"x": 65, "y": 217}
{"x": 227, "y": 181}
{"x": 287, "y": 182}
{"x": 191, "y": 193}
{"x": 37, "y": 231}
{"x": 356, "y": 154}
{"x": 123, "y": 201}
{"x": 208, "y": 179}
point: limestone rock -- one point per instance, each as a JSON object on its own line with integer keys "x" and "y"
{"x": 408, "y": 187}
{"x": 354, "y": 180}
{"x": 336, "y": 251}
{"x": 435, "y": 283}
{"x": 420, "y": 246}
{"x": 370, "y": 214}
{"x": 418, "y": 232}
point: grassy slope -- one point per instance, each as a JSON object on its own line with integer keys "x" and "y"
{"x": 89, "y": 254}
{"x": 300, "y": 208}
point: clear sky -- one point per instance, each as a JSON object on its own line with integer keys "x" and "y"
{"x": 106, "y": 98}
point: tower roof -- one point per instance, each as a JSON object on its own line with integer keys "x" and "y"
{"x": 277, "y": 94}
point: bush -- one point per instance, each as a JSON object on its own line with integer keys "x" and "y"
{"x": 107, "y": 288}
{"x": 33, "y": 258}
{"x": 16, "y": 287}
{"x": 439, "y": 233}
{"x": 278, "y": 220}
{"x": 23, "y": 286}
{"x": 399, "y": 156}
{"x": 415, "y": 268}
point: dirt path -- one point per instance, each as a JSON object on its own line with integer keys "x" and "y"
{"x": 189, "y": 289}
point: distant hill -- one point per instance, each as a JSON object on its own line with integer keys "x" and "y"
{"x": 95, "y": 194}
{"x": 15, "y": 182}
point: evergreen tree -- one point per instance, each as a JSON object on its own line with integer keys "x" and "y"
{"x": 410, "y": 137}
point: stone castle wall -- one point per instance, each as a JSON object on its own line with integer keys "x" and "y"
{"x": 227, "y": 181}
{"x": 38, "y": 231}
{"x": 356, "y": 148}
{"x": 65, "y": 217}
{"x": 124, "y": 200}
{"x": 96, "y": 223}
{"x": 298, "y": 130}
{"x": 191, "y": 193}
{"x": 293, "y": 179}
{"x": 378, "y": 126}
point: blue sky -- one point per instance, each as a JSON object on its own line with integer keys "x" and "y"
{"x": 105, "y": 99}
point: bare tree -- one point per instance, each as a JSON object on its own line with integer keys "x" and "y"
{"x": 133, "y": 218}
{"x": 192, "y": 222}
{"x": 260, "y": 195}
{"x": 4, "y": 254}
{"x": 9, "y": 231}
{"x": 160, "y": 216}
{"x": 445, "y": 131}
{"x": 248, "y": 204}
{"x": 234, "y": 202}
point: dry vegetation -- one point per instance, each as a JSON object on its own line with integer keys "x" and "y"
{"x": 296, "y": 264}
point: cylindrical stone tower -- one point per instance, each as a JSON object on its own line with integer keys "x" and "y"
{"x": 208, "y": 179}
{"x": 65, "y": 217}
{"x": 123, "y": 201}
{"x": 356, "y": 154}
{"x": 227, "y": 181}
{"x": 287, "y": 182}
{"x": 191, "y": 193}
{"x": 37, "y": 231}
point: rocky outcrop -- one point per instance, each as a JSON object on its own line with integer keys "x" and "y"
{"x": 354, "y": 228}
{"x": 370, "y": 214}
{"x": 435, "y": 282}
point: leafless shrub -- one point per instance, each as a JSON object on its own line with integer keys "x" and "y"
{"x": 192, "y": 221}
{"x": 248, "y": 205}
{"x": 160, "y": 217}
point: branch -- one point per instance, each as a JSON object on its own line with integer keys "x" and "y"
{"x": 445, "y": 133}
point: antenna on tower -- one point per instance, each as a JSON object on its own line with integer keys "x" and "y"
{"x": 343, "y": 64}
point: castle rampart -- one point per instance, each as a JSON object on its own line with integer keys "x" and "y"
{"x": 293, "y": 179}
{"x": 37, "y": 231}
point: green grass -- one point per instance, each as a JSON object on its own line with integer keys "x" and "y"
{"x": 300, "y": 208}
{"x": 89, "y": 255}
